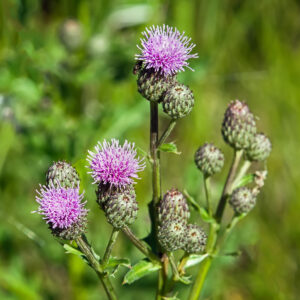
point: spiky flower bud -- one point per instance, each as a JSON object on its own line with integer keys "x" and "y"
{"x": 171, "y": 235}
{"x": 62, "y": 174}
{"x": 209, "y": 159}
{"x": 173, "y": 205}
{"x": 178, "y": 101}
{"x": 195, "y": 239}
{"x": 153, "y": 85}
{"x": 242, "y": 200}
{"x": 238, "y": 127}
{"x": 121, "y": 207}
{"x": 259, "y": 149}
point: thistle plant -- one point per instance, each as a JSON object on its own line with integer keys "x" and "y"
{"x": 175, "y": 242}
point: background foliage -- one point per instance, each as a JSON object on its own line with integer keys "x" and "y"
{"x": 55, "y": 104}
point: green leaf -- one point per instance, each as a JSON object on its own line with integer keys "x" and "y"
{"x": 170, "y": 147}
{"x": 249, "y": 178}
{"x": 71, "y": 250}
{"x": 114, "y": 263}
{"x": 195, "y": 259}
{"x": 184, "y": 279}
{"x": 139, "y": 270}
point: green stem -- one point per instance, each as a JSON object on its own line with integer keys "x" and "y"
{"x": 182, "y": 263}
{"x": 205, "y": 265}
{"x": 228, "y": 185}
{"x": 167, "y": 132}
{"x": 94, "y": 263}
{"x": 110, "y": 245}
{"x": 214, "y": 227}
{"x": 140, "y": 245}
{"x": 243, "y": 170}
{"x": 156, "y": 187}
{"x": 234, "y": 221}
{"x": 206, "y": 188}
{"x": 176, "y": 275}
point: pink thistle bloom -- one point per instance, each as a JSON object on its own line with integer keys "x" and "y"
{"x": 61, "y": 207}
{"x": 165, "y": 50}
{"x": 114, "y": 164}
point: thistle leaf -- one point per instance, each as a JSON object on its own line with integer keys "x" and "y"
{"x": 139, "y": 270}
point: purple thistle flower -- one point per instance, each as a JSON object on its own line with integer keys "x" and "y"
{"x": 165, "y": 49}
{"x": 114, "y": 164}
{"x": 61, "y": 207}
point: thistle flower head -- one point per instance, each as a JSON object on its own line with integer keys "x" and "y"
{"x": 61, "y": 207}
{"x": 165, "y": 50}
{"x": 114, "y": 164}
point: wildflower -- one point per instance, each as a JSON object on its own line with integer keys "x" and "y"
{"x": 114, "y": 164}
{"x": 63, "y": 210}
{"x": 165, "y": 50}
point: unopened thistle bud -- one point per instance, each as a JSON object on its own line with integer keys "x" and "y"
{"x": 178, "y": 101}
{"x": 238, "y": 128}
{"x": 62, "y": 174}
{"x": 209, "y": 159}
{"x": 171, "y": 235}
{"x": 195, "y": 239}
{"x": 173, "y": 205}
{"x": 153, "y": 85}
{"x": 242, "y": 200}
{"x": 121, "y": 207}
{"x": 259, "y": 149}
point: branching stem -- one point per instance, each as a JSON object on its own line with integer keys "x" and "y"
{"x": 167, "y": 132}
{"x": 85, "y": 248}
{"x": 110, "y": 245}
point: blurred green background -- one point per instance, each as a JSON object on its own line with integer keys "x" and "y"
{"x": 66, "y": 85}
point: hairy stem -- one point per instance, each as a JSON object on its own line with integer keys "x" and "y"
{"x": 94, "y": 263}
{"x": 167, "y": 132}
{"x": 156, "y": 184}
{"x": 110, "y": 245}
{"x": 156, "y": 187}
{"x": 228, "y": 184}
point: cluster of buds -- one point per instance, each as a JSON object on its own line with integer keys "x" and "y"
{"x": 61, "y": 202}
{"x": 174, "y": 232}
{"x": 164, "y": 53}
{"x": 239, "y": 131}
